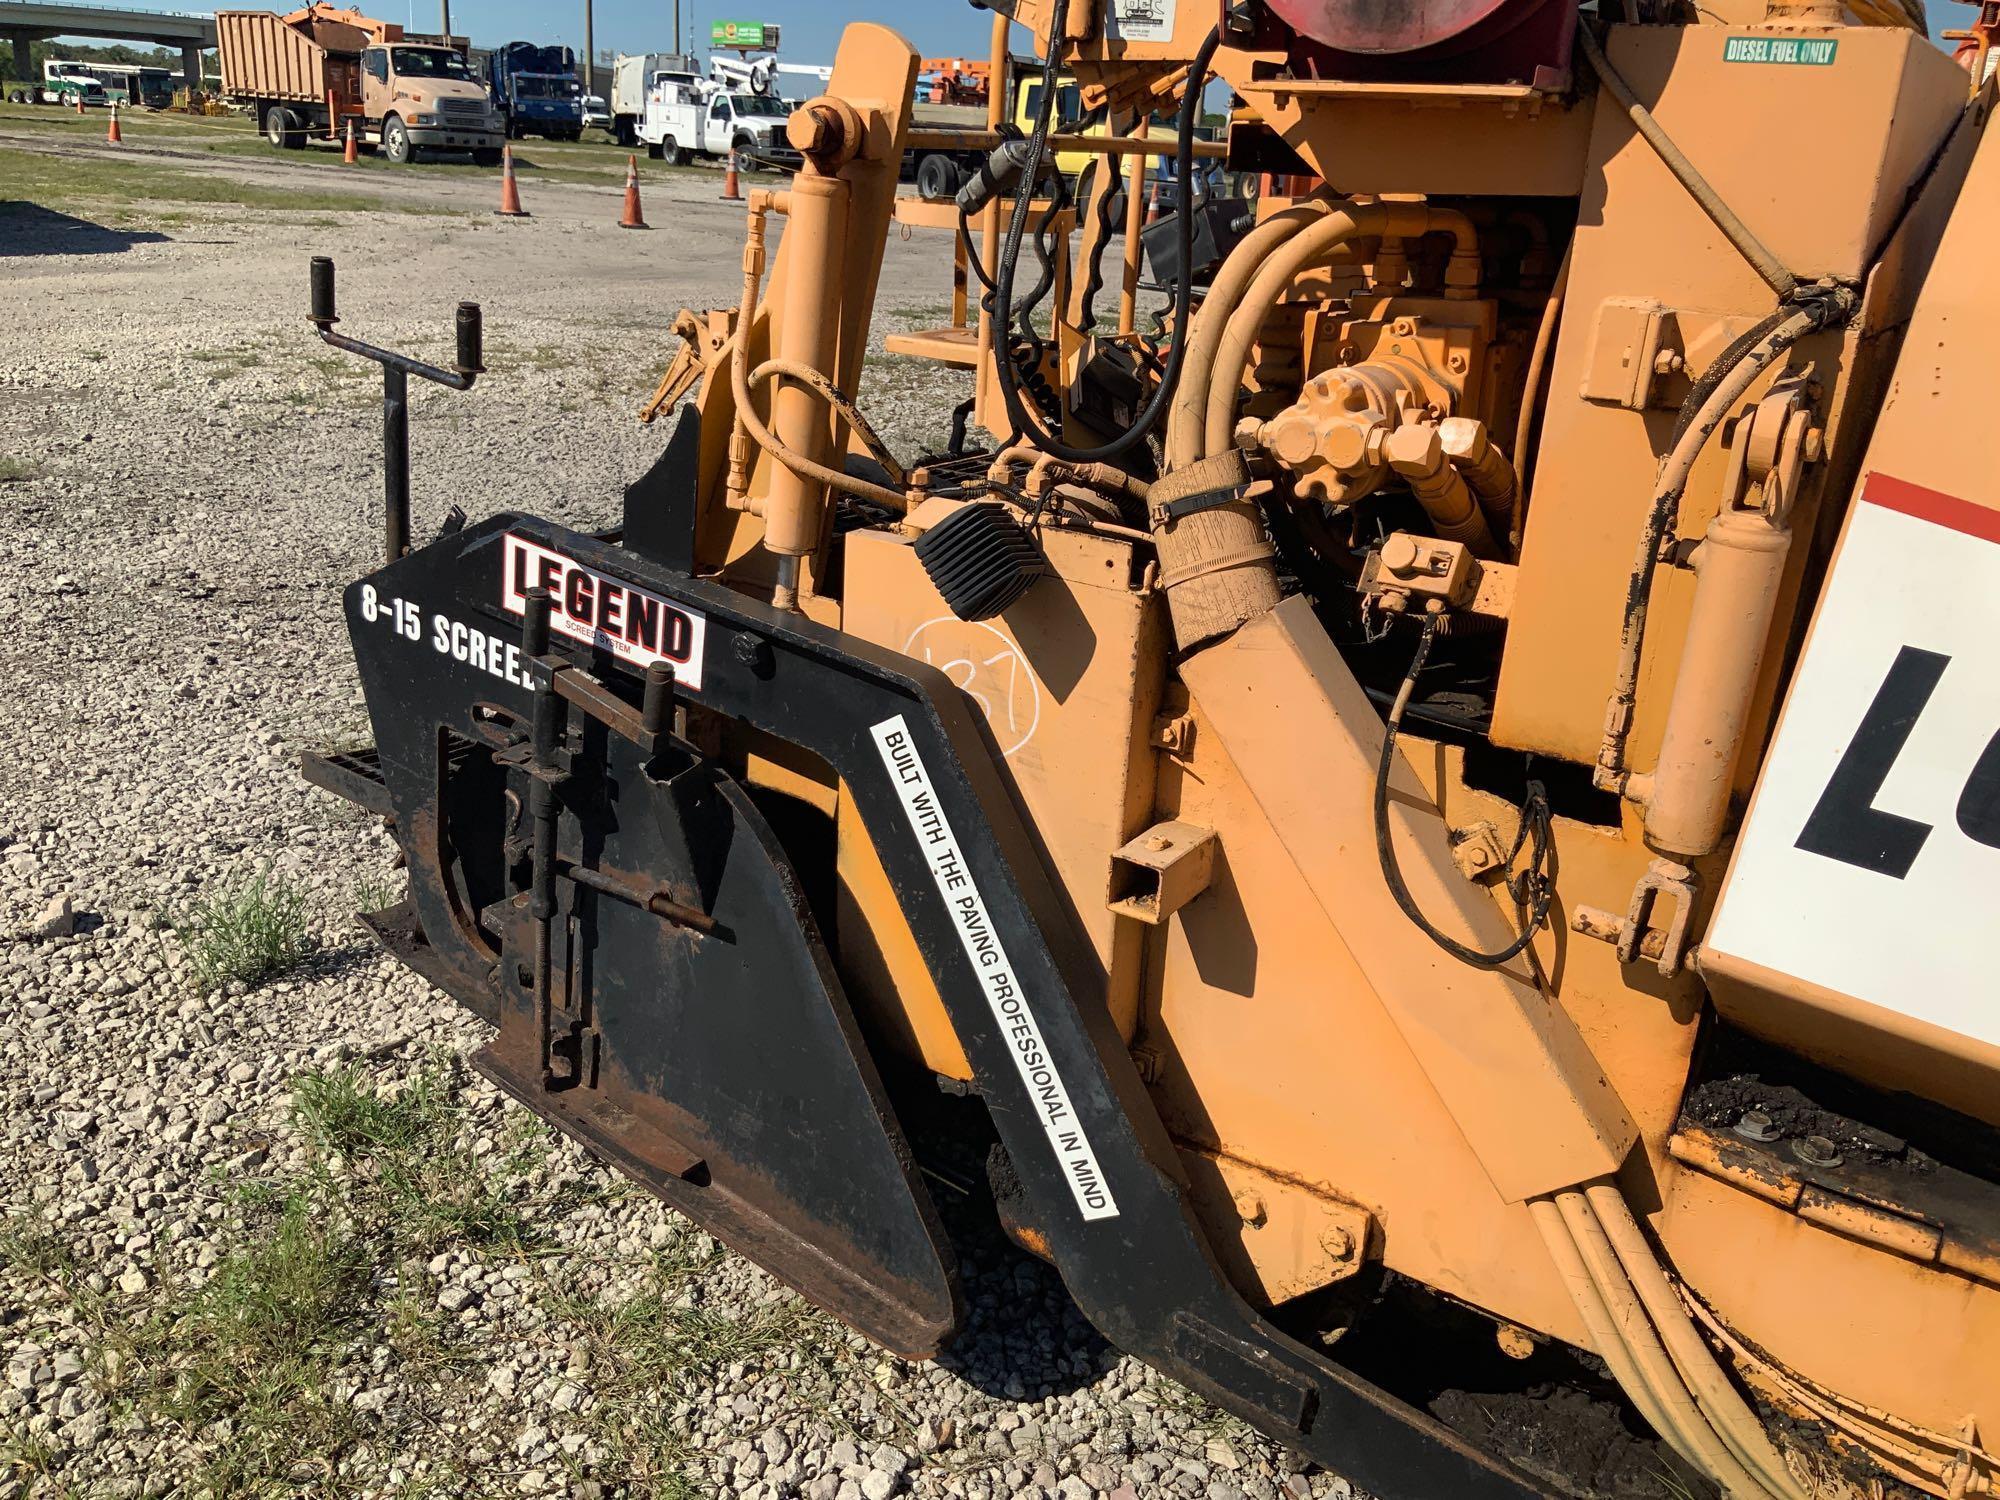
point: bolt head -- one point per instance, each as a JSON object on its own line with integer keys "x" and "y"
{"x": 1756, "y": 1125}
{"x": 1817, "y": 1151}
{"x": 1250, "y": 1209}
{"x": 754, "y": 653}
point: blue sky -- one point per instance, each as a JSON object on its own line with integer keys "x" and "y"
{"x": 811, "y": 27}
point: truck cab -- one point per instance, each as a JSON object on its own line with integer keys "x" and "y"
{"x": 421, "y": 97}
{"x": 537, "y": 90}
{"x": 68, "y": 82}
{"x": 752, "y": 125}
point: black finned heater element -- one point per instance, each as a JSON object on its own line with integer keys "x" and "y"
{"x": 980, "y": 559}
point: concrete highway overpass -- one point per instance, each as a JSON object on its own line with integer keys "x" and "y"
{"x": 25, "y": 21}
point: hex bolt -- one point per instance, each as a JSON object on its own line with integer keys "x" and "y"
{"x": 1756, "y": 1125}
{"x": 755, "y": 653}
{"x": 1817, "y": 1151}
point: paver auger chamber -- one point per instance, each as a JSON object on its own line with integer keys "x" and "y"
{"x": 1431, "y": 808}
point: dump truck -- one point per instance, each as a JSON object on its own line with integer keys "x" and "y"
{"x": 313, "y": 73}
{"x": 1423, "y": 827}
{"x": 537, "y": 90}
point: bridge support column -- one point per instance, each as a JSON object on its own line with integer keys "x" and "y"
{"x": 24, "y": 61}
{"x": 191, "y": 67}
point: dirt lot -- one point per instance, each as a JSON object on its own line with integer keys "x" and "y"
{"x": 268, "y": 1234}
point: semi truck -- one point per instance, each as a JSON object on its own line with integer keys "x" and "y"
{"x": 537, "y": 90}
{"x": 309, "y": 73}
{"x": 68, "y": 82}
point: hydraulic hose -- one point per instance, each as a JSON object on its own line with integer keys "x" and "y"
{"x": 1604, "y": 1335}
{"x": 1725, "y": 1410}
{"x": 1688, "y": 1429}
{"x": 1184, "y": 423}
{"x": 1003, "y": 292}
{"x": 1531, "y": 395}
{"x": 1536, "y": 890}
{"x": 1762, "y": 260}
{"x": 828, "y": 392}
{"x": 750, "y": 427}
{"x": 1315, "y": 242}
{"x": 1726, "y": 390}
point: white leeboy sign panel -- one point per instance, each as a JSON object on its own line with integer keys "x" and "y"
{"x": 1870, "y": 862}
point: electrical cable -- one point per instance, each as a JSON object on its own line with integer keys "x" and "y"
{"x": 1533, "y": 888}
{"x": 1003, "y": 294}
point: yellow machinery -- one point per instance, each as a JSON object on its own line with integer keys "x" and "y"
{"x": 1437, "y": 806}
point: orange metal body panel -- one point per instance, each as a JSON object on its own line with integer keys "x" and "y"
{"x": 1864, "y": 130}
{"x": 1880, "y": 1329}
{"x": 1069, "y": 681}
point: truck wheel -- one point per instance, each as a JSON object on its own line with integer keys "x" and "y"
{"x": 396, "y": 142}
{"x": 671, "y": 153}
{"x": 746, "y": 147}
{"x": 937, "y": 179}
{"x": 280, "y": 129}
{"x": 486, "y": 156}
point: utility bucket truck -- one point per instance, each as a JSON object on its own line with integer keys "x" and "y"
{"x": 736, "y": 108}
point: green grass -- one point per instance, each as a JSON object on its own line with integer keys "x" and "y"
{"x": 659, "y": 1345}
{"x": 321, "y": 1264}
{"x": 16, "y": 470}
{"x": 72, "y": 182}
{"x": 248, "y": 1359}
{"x": 422, "y": 1190}
{"x": 250, "y": 931}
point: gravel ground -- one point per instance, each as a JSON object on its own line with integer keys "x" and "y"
{"x": 278, "y": 1238}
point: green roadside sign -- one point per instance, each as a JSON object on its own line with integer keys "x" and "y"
{"x": 741, "y": 34}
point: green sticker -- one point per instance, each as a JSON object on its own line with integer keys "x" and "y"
{"x": 1811, "y": 52}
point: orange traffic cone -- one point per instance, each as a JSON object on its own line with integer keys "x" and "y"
{"x": 113, "y": 135}
{"x": 1153, "y": 204}
{"x": 350, "y": 153}
{"x": 79, "y": 103}
{"x": 510, "y": 195}
{"x": 732, "y": 188}
{"x": 633, "y": 217}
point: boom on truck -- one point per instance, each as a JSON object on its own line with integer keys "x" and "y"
{"x": 1431, "y": 815}
{"x": 309, "y": 74}
{"x": 736, "y": 108}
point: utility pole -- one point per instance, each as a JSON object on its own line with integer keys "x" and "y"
{"x": 446, "y": 4}
{"x": 589, "y": 52}
{"x": 677, "y": 27}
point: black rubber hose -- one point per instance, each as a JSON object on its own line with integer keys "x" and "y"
{"x": 1003, "y": 294}
{"x": 1536, "y": 891}
{"x": 1718, "y": 368}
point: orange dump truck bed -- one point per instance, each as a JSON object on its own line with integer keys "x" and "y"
{"x": 264, "y": 56}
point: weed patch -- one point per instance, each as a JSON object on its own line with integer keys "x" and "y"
{"x": 248, "y": 932}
